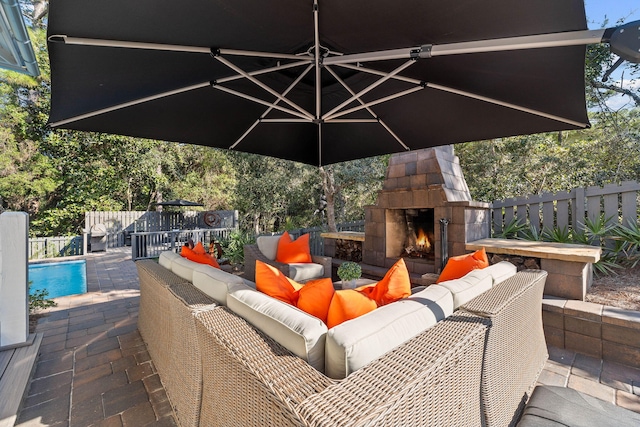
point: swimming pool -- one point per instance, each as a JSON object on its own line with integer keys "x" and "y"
{"x": 59, "y": 278}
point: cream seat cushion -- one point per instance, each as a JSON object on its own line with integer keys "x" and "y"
{"x": 217, "y": 283}
{"x": 301, "y": 272}
{"x": 302, "y": 334}
{"x": 355, "y": 343}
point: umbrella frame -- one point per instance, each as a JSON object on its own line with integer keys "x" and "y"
{"x": 318, "y": 57}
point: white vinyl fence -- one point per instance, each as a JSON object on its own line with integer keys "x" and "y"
{"x": 53, "y": 247}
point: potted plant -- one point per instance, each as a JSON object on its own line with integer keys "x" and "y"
{"x": 349, "y": 272}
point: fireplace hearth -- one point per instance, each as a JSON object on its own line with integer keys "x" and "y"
{"x": 422, "y": 190}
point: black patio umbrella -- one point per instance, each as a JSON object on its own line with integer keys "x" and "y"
{"x": 320, "y": 81}
{"x": 179, "y": 202}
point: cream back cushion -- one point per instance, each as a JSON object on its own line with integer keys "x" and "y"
{"x": 477, "y": 282}
{"x": 501, "y": 271}
{"x": 468, "y": 287}
{"x": 184, "y": 268}
{"x": 268, "y": 245}
{"x": 217, "y": 283}
{"x": 355, "y": 343}
{"x": 302, "y": 334}
{"x": 166, "y": 258}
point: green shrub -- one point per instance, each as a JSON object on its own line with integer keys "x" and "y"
{"x": 349, "y": 270}
{"x": 38, "y": 301}
{"x": 233, "y": 247}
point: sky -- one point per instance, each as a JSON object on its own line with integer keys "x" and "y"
{"x": 597, "y": 12}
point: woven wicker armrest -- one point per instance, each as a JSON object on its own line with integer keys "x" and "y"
{"x": 325, "y": 261}
{"x": 251, "y": 254}
{"x": 516, "y": 350}
{"x": 430, "y": 380}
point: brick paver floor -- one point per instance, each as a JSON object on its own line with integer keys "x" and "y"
{"x": 94, "y": 368}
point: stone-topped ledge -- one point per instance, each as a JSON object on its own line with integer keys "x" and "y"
{"x": 543, "y": 250}
{"x": 344, "y": 235}
{"x": 570, "y": 266}
{"x": 600, "y": 331}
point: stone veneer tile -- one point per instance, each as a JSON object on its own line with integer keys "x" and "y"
{"x": 553, "y": 304}
{"x": 552, "y": 319}
{"x": 584, "y": 310}
{"x": 410, "y": 167}
{"x": 411, "y": 156}
{"x": 418, "y": 181}
{"x": 569, "y": 268}
{"x": 621, "y": 335}
{"x": 583, "y": 327}
{"x": 554, "y": 337}
{"x": 621, "y": 353}
{"x": 617, "y": 316}
{"x": 389, "y": 184}
{"x": 395, "y": 171}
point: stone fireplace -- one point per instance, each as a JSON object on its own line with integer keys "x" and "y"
{"x": 424, "y": 198}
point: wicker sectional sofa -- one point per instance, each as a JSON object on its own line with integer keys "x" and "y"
{"x": 225, "y": 358}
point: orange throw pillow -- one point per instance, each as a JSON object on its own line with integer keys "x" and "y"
{"x": 274, "y": 283}
{"x": 205, "y": 258}
{"x": 199, "y": 249}
{"x": 394, "y": 285}
{"x": 186, "y": 251}
{"x": 351, "y": 303}
{"x": 314, "y": 297}
{"x": 460, "y": 265}
{"x": 348, "y": 304}
{"x": 293, "y": 251}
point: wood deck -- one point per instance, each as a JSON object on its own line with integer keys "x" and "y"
{"x": 16, "y": 368}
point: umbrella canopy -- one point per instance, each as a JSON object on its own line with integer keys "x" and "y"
{"x": 179, "y": 202}
{"x": 318, "y": 81}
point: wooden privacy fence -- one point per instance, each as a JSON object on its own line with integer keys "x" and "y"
{"x": 618, "y": 203}
{"x": 53, "y": 247}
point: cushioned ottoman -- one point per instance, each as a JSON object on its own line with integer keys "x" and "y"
{"x": 559, "y": 406}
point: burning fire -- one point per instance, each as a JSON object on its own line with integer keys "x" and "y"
{"x": 422, "y": 241}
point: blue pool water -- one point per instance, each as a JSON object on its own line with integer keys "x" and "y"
{"x": 59, "y": 278}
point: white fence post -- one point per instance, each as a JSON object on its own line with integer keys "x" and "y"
{"x": 14, "y": 275}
